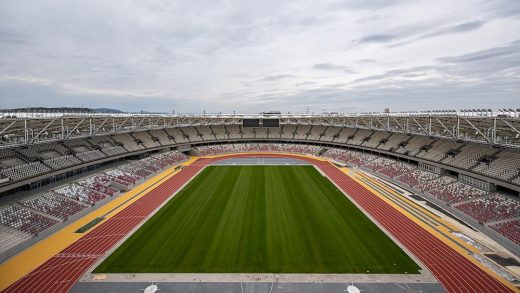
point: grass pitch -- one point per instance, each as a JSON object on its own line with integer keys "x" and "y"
{"x": 259, "y": 219}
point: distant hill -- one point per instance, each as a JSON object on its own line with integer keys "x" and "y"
{"x": 107, "y": 110}
{"x": 51, "y": 109}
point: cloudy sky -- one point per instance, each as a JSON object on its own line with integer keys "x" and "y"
{"x": 251, "y": 56}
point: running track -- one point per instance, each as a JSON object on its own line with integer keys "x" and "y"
{"x": 454, "y": 272}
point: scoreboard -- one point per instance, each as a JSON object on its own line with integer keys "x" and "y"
{"x": 271, "y": 123}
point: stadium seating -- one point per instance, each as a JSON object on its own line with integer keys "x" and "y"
{"x": 493, "y": 208}
{"x": 330, "y": 133}
{"x": 456, "y": 192}
{"x": 255, "y": 147}
{"x": 510, "y": 229}
{"x": 10, "y": 238}
{"x": 345, "y": 134}
{"x": 80, "y": 193}
{"x": 136, "y": 169}
{"x": 34, "y": 151}
{"x": 437, "y": 183}
{"x": 438, "y": 150}
{"x": 178, "y": 135}
{"x": 78, "y": 145}
{"x": 25, "y": 171}
{"x": 125, "y": 178}
{"x": 396, "y": 169}
{"x": 505, "y": 165}
{"x": 68, "y": 200}
{"x": 414, "y": 144}
{"x": 114, "y": 150}
{"x": 341, "y": 155}
{"x": 53, "y": 205}
{"x": 417, "y": 177}
{"x": 146, "y": 139}
{"x": 93, "y": 155}
{"x": 302, "y": 131}
{"x": 100, "y": 183}
{"x": 393, "y": 141}
{"x": 360, "y": 136}
{"x": 128, "y": 142}
{"x": 192, "y": 133}
{"x": 10, "y": 161}
{"x": 379, "y": 163}
{"x": 362, "y": 159}
{"x": 376, "y": 139}
{"x": 24, "y": 220}
{"x": 61, "y": 162}
{"x": 468, "y": 155}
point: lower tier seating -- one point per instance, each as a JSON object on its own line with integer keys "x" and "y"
{"x": 457, "y": 192}
{"x": 510, "y": 230}
{"x": 24, "y": 220}
{"x": 53, "y": 205}
{"x": 494, "y": 208}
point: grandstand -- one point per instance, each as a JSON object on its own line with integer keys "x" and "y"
{"x": 476, "y": 175}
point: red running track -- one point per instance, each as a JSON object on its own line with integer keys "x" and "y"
{"x": 454, "y": 272}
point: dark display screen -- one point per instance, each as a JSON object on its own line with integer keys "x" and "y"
{"x": 271, "y": 122}
{"x": 250, "y": 122}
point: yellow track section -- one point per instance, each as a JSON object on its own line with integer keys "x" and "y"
{"x": 29, "y": 259}
{"x": 447, "y": 238}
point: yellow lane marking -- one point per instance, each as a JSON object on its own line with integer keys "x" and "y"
{"x": 438, "y": 235}
{"x": 423, "y": 210}
{"x": 29, "y": 259}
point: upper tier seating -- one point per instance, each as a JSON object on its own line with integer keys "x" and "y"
{"x": 24, "y": 171}
{"x": 128, "y": 142}
{"x": 439, "y": 149}
{"x": 330, "y": 133}
{"x": 505, "y": 166}
{"x": 91, "y": 155}
{"x": 413, "y": 146}
{"x": 393, "y": 141}
{"x": 62, "y": 162}
{"x": 114, "y": 150}
{"x": 34, "y": 151}
{"x": 361, "y": 136}
{"x": 376, "y": 139}
{"x": 206, "y": 132}
{"x": 146, "y": 139}
{"x": 468, "y": 155}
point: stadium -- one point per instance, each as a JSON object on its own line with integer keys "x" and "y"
{"x": 370, "y": 202}
{"x": 225, "y": 146}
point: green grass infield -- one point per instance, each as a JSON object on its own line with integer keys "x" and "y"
{"x": 259, "y": 219}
